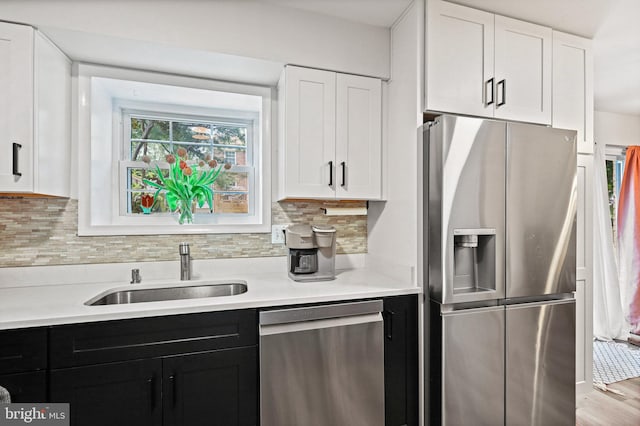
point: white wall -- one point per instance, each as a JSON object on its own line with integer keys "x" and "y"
{"x": 393, "y": 225}
{"x": 617, "y": 129}
{"x": 245, "y": 28}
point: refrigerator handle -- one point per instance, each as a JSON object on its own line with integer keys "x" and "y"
{"x": 515, "y": 304}
{"x": 448, "y": 310}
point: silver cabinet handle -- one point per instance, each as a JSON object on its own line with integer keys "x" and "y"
{"x": 487, "y": 91}
{"x": 16, "y": 149}
{"x": 503, "y": 101}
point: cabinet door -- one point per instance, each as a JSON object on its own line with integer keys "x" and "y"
{"x": 573, "y": 87}
{"x": 584, "y": 276}
{"x": 213, "y": 388}
{"x": 310, "y": 133}
{"x": 401, "y": 360}
{"x": 26, "y": 387}
{"x": 122, "y": 394}
{"x": 459, "y": 66}
{"x": 522, "y": 71}
{"x": 16, "y": 107}
{"x": 358, "y": 137}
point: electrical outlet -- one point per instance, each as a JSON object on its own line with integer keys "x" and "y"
{"x": 277, "y": 234}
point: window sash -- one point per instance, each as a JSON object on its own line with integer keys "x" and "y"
{"x": 126, "y": 163}
{"x": 125, "y": 189}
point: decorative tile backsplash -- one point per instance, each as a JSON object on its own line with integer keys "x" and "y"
{"x": 43, "y": 231}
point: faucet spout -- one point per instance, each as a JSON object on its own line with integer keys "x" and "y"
{"x": 185, "y": 261}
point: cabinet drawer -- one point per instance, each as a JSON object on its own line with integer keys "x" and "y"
{"x": 26, "y": 387}
{"x": 94, "y": 343}
{"x": 23, "y": 350}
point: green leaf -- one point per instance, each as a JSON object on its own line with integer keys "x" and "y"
{"x": 171, "y": 201}
{"x": 152, "y": 183}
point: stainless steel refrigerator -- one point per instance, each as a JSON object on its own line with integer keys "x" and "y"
{"x": 500, "y": 257}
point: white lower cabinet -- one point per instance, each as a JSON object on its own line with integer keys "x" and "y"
{"x": 330, "y": 135}
{"x": 35, "y": 108}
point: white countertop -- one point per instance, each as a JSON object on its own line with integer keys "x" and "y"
{"x": 29, "y": 305}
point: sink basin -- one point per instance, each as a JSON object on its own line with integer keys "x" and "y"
{"x": 197, "y": 291}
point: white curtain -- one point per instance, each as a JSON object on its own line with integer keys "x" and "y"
{"x": 608, "y": 315}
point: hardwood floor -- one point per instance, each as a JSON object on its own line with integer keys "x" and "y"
{"x": 600, "y": 408}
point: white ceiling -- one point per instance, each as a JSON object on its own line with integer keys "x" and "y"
{"x": 614, "y": 25}
{"x": 382, "y": 13}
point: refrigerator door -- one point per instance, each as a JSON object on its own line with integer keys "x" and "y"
{"x": 541, "y": 211}
{"x": 540, "y": 363}
{"x": 465, "y": 160}
{"x": 472, "y": 362}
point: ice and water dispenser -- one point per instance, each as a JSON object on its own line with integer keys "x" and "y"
{"x": 474, "y": 260}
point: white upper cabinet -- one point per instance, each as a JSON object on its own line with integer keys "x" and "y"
{"x": 573, "y": 87}
{"x": 460, "y": 59}
{"x": 487, "y": 65}
{"x": 358, "y": 137}
{"x": 309, "y": 149}
{"x": 35, "y": 110}
{"x": 522, "y": 71}
{"x": 330, "y": 135}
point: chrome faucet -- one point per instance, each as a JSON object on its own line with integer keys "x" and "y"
{"x": 185, "y": 261}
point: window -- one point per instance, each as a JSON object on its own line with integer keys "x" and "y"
{"x": 614, "y": 161}
{"x": 153, "y": 136}
{"x": 133, "y": 119}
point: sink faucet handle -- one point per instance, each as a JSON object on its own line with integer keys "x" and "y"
{"x": 135, "y": 276}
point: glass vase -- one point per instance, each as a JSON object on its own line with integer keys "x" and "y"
{"x": 185, "y": 206}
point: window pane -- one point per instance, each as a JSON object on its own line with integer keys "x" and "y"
{"x": 230, "y": 203}
{"x": 227, "y": 135}
{"x": 155, "y": 150}
{"x": 136, "y": 176}
{"x": 142, "y": 128}
{"x": 236, "y": 181}
{"x": 194, "y": 152}
{"x": 191, "y": 132}
{"x": 232, "y": 155}
{"x": 135, "y": 201}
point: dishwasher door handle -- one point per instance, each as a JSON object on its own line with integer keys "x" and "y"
{"x": 271, "y": 329}
{"x": 312, "y": 313}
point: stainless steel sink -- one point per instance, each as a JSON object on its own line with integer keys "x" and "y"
{"x": 157, "y": 294}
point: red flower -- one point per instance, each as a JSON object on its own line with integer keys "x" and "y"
{"x": 201, "y": 163}
{"x": 170, "y": 158}
{"x": 187, "y": 171}
{"x": 213, "y": 164}
{"x": 227, "y": 166}
{"x": 182, "y": 164}
{"x": 147, "y": 200}
{"x": 181, "y": 152}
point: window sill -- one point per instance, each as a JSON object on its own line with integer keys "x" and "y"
{"x": 106, "y": 230}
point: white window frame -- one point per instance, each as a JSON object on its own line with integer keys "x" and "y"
{"x": 99, "y": 217}
{"x": 161, "y": 112}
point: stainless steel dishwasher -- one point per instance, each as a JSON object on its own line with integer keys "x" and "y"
{"x": 322, "y": 365}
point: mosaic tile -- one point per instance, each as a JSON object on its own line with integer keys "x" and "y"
{"x": 43, "y": 231}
